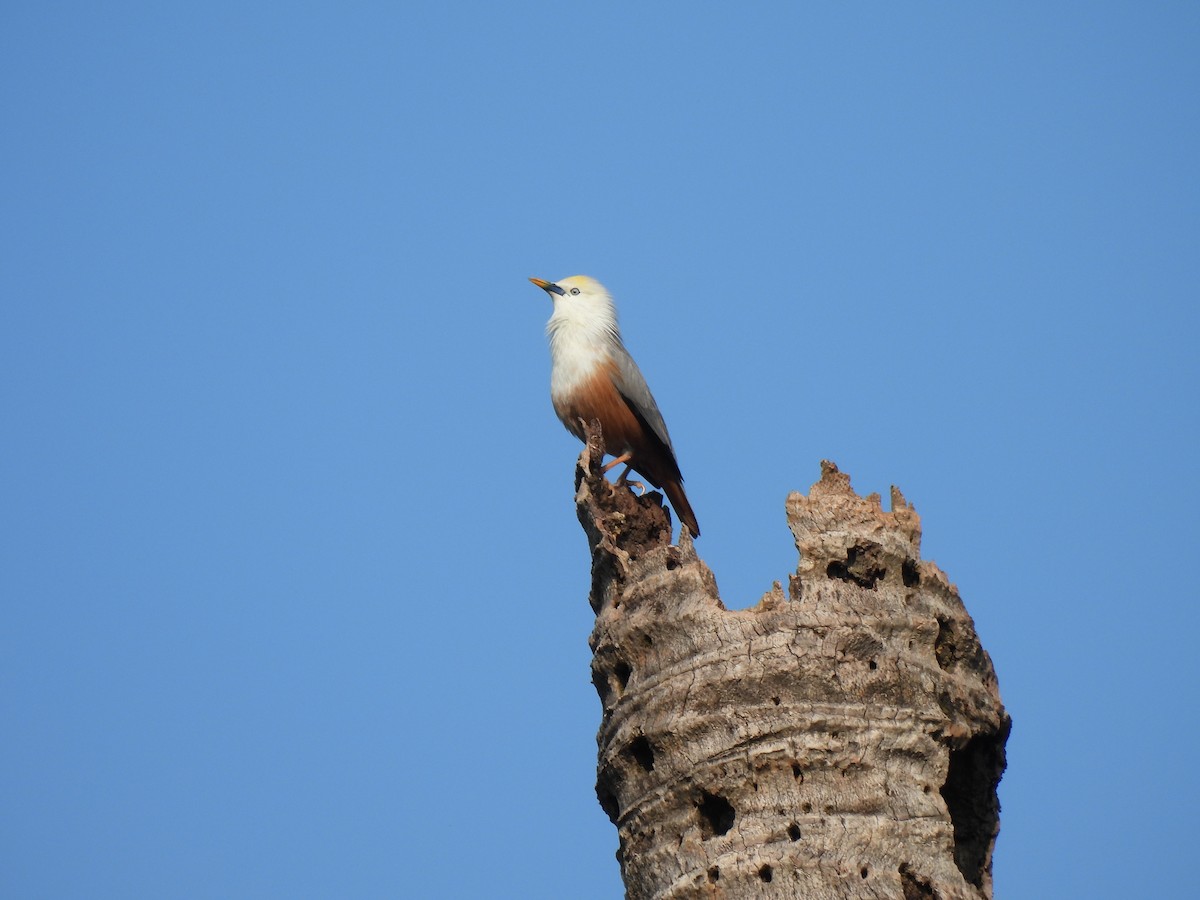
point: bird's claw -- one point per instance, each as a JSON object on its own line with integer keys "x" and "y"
{"x": 623, "y": 481}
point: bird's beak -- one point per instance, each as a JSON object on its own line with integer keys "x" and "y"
{"x": 548, "y": 286}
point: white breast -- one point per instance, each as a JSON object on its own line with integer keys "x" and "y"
{"x": 582, "y": 332}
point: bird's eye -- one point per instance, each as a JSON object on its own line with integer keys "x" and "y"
{"x": 574, "y": 290}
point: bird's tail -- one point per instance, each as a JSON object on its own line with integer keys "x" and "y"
{"x": 679, "y": 501}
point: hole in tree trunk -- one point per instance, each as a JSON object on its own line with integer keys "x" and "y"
{"x": 716, "y": 814}
{"x": 623, "y": 671}
{"x": 915, "y": 887}
{"x": 641, "y": 752}
{"x": 608, "y": 803}
{"x": 863, "y": 566}
{"x": 970, "y": 795}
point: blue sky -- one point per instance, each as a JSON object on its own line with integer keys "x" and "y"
{"x": 294, "y": 596}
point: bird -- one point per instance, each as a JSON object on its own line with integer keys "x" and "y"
{"x": 593, "y": 377}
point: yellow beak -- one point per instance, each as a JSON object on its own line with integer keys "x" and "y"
{"x": 548, "y": 286}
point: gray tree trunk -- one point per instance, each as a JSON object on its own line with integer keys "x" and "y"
{"x": 841, "y": 739}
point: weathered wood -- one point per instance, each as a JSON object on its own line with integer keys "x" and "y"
{"x": 842, "y": 739}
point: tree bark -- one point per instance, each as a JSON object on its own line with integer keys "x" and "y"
{"x": 843, "y": 739}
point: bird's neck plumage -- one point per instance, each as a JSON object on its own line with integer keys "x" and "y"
{"x": 583, "y": 335}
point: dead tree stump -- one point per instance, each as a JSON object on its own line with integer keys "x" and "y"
{"x": 842, "y": 739}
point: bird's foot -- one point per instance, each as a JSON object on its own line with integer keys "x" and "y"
{"x": 623, "y": 481}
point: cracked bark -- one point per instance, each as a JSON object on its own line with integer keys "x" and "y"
{"x": 843, "y": 739}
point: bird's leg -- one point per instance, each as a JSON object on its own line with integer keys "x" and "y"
{"x": 623, "y": 458}
{"x": 623, "y": 480}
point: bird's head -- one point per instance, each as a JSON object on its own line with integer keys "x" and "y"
{"x": 576, "y": 286}
{"x": 580, "y": 301}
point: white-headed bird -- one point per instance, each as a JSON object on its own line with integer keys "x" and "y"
{"x": 594, "y": 377}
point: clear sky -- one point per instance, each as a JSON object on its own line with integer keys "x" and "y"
{"x": 294, "y": 598}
